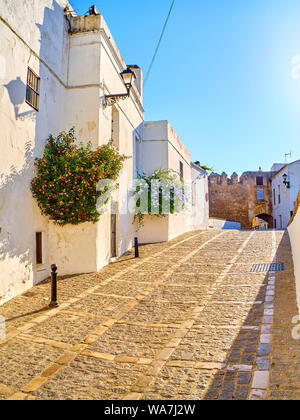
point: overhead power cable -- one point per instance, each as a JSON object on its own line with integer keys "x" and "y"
{"x": 159, "y": 42}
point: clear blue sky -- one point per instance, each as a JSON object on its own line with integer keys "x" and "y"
{"x": 223, "y": 75}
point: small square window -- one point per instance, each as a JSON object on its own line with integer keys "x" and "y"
{"x": 260, "y": 194}
{"x": 33, "y": 89}
{"x": 259, "y": 181}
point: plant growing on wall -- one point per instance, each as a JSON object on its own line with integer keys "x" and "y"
{"x": 67, "y": 177}
{"x": 159, "y": 195}
{"x": 206, "y": 168}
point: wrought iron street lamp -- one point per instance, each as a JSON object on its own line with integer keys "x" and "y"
{"x": 128, "y": 77}
{"x": 285, "y": 181}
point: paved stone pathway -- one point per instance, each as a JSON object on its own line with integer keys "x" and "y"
{"x": 186, "y": 321}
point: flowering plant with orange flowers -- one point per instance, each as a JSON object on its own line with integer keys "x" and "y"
{"x": 67, "y": 177}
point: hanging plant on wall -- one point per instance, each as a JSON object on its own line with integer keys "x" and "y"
{"x": 159, "y": 195}
{"x": 67, "y": 177}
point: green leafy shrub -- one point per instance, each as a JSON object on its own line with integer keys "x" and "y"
{"x": 159, "y": 194}
{"x": 67, "y": 176}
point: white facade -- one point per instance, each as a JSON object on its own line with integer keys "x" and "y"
{"x": 294, "y": 230}
{"x": 284, "y": 198}
{"x": 200, "y": 198}
{"x": 78, "y": 63}
{"x": 161, "y": 148}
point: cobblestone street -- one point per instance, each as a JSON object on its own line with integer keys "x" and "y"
{"x": 186, "y": 321}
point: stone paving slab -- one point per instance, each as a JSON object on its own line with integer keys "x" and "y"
{"x": 162, "y": 313}
{"x": 88, "y": 378}
{"x": 185, "y": 321}
{"x": 202, "y": 345}
{"x": 171, "y": 293}
{"x": 285, "y": 357}
{"x": 21, "y": 361}
{"x": 65, "y": 328}
{"x": 133, "y": 340}
{"x": 190, "y": 279}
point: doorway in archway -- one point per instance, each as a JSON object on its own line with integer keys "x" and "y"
{"x": 263, "y": 222}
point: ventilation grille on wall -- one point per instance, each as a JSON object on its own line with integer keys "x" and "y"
{"x": 267, "y": 268}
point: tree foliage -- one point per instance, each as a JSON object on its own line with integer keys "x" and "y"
{"x": 65, "y": 186}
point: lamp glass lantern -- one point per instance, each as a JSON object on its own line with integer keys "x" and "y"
{"x": 128, "y": 77}
{"x": 285, "y": 180}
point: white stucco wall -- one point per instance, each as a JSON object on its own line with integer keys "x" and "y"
{"x": 162, "y": 148}
{"x": 32, "y": 34}
{"x": 36, "y": 35}
{"x": 88, "y": 84}
{"x": 294, "y": 232}
{"x": 200, "y": 198}
{"x": 178, "y": 152}
{"x": 288, "y": 195}
{"x": 155, "y": 230}
{"x": 130, "y": 127}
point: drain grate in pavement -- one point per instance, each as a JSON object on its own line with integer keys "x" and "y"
{"x": 267, "y": 268}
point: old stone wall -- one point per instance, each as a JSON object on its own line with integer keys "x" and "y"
{"x": 243, "y": 199}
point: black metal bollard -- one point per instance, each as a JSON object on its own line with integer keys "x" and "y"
{"x": 53, "y": 303}
{"x": 136, "y": 248}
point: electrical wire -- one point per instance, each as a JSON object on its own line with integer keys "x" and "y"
{"x": 159, "y": 42}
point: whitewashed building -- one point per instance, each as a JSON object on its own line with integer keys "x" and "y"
{"x": 72, "y": 66}
{"x": 200, "y": 197}
{"x": 294, "y": 234}
{"x": 285, "y": 187}
{"x": 75, "y": 63}
{"x": 161, "y": 148}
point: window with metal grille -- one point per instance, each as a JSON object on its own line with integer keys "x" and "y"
{"x": 33, "y": 89}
